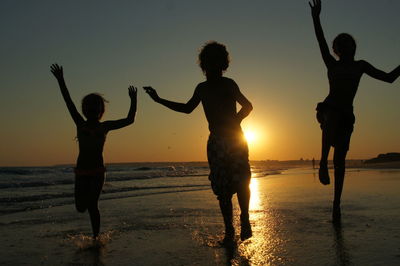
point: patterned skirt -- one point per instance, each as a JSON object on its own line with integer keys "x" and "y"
{"x": 228, "y": 159}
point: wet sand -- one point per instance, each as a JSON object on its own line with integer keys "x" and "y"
{"x": 290, "y": 214}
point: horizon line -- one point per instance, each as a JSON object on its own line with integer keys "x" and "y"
{"x": 152, "y": 162}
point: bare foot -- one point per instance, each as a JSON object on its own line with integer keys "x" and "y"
{"x": 245, "y": 232}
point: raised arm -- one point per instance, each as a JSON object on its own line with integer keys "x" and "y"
{"x": 323, "y": 46}
{"x": 186, "y": 108}
{"x": 379, "y": 74}
{"x": 58, "y": 73}
{"x": 130, "y": 118}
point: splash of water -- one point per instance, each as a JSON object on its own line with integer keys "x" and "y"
{"x": 84, "y": 242}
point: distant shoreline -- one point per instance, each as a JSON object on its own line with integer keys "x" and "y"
{"x": 352, "y": 163}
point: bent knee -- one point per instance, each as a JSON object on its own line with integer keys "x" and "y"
{"x": 80, "y": 207}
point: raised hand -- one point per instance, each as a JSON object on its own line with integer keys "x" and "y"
{"x": 132, "y": 92}
{"x": 152, "y": 93}
{"x": 315, "y": 7}
{"x": 57, "y": 71}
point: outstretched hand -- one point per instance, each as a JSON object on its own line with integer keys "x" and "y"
{"x": 132, "y": 93}
{"x": 152, "y": 92}
{"x": 315, "y": 7}
{"x": 57, "y": 71}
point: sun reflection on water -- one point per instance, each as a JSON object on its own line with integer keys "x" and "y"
{"x": 255, "y": 202}
{"x": 266, "y": 246}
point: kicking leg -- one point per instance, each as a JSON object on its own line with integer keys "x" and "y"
{"x": 323, "y": 163}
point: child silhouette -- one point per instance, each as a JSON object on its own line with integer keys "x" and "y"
{"x": 227, "y": 149}
{"x": 335, "y": 113}
{"x": 91, "y": 134}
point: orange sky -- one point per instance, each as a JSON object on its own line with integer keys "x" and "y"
{"x": 107, "y": 47}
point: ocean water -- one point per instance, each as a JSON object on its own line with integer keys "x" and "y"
{"x": 166, "y": 214}
{"x": 29, "y": 188}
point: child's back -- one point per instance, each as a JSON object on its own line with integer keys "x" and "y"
{"x": 227, "y": 150}
{"x": 218, "y": 97}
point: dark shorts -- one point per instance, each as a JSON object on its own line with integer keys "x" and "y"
{"x": 228, "y": 159}
{"x": 337, "y": 125}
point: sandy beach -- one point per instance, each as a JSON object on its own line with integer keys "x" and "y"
{"x": 290, "y": 214}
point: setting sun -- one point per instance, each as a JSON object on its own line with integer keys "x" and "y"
{"x": 256, "y": 137}
{"x": 250, "y": 136}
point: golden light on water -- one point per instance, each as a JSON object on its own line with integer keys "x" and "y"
{"x": 255, "y": 203}
{"x": 266, "y": 246}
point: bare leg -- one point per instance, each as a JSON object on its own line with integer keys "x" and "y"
{"x": 244, "y": 200}
{"x": 323, "y": 164}
{"x": 81, "y": 196}
{"x": 325, "y": 148}
{"x": 225, "y": 205}
{"x": 339, "y": 160}
{"x": 94, "y": 194}
{"x": 95, "y": 220}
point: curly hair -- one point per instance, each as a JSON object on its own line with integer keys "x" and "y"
{"x": 344, "y": 45}
{"x": 93, "y": 105}
{"x": 213, "y": 56}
